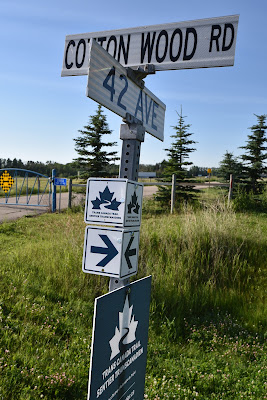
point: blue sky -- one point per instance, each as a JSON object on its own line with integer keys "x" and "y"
{"x": 41, "y": 112}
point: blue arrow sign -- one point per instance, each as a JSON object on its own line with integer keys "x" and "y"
{"x": 110, "y": 251}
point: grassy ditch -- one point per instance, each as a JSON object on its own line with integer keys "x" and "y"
{"x": 207, "y": 319}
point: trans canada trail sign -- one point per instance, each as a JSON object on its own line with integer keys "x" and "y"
{"x": 110, "y": 251}
{"x": 111, "y": 247}
{"x": 200, "y": 43}
{"x": 116, "y": 202}
{"x": 119, "y": 343}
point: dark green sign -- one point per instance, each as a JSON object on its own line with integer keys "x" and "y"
{"x": 119, "y": 344}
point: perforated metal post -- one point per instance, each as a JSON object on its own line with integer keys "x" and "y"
{"x": 132, "y": 134}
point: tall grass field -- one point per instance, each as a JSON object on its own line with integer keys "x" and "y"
{"x": 207, "y": 316}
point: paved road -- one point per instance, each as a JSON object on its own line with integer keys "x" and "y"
{"x": 11, "y": 213}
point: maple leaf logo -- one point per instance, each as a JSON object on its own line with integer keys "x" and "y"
{"x": 106, "y": 200}
{"x": 125, "y": 334}
{"x": 133, "y": 205}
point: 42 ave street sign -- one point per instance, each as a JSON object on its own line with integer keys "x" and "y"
{"x": 192, "y": 44}
{"x": 109, "y": 85}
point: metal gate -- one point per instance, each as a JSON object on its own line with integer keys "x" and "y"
{"x": 24, "y": 188}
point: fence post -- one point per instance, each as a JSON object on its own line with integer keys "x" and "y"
{"x": 54, "y": 191}
{"x": 230, "y": 193}
{"x": 173, "y": 192}
{"x": 70, "y": 193}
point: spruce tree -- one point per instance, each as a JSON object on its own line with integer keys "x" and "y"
{"x": 177, "y": 161}
{"x": 93, "y": 159}
{"x": 229, "y": 165}
{"x": 254, "y": 161}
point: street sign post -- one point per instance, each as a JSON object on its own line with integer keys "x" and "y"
{"x": 109, "y": 85}
{"x": 111, "y": 252}
{"x": 116, "y": 62}
{"x": 201, "y": 43}
{"x": 116, "y": 202}
{"x": 119, "y": 343}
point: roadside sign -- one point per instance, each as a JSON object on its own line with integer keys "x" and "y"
{"x": 6, "y": 182}
{"x": 110, "y": 251}
{"x": 116, "y": 202}
{"x": 119, "y": 343}
{"x": 60, "y": 181}
{"x": 109, "y": 85}
{"x": 201, "y": 43}
{"x": 209, "y": 170}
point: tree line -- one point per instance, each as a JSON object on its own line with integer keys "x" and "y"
{"x": 98, "y": 158}
{"x": 72, "y": 169}
{"x": 65, "y": 170}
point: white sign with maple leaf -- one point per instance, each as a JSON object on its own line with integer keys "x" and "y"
{"x": 116, "y": 202}
{"x": 125, "y": 334}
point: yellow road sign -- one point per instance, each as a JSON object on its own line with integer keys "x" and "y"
{"x": 6, "y": 181}
{"x": 209, "y": 170}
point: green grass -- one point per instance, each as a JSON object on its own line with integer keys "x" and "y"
{"x": 207, "y": 320}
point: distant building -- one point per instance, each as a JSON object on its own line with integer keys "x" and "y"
{"x": 146, "y": 175}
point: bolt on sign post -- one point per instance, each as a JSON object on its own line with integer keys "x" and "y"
{"x": 111, "y": 244}
{"x": 116, "y": 63}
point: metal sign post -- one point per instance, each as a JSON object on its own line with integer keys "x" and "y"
{"x": 123, "y": 92}
{"x": 116, "y": 62}
{"x": 132, "y": 134}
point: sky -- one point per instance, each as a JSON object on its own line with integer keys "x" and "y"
{"x": 41, "y": 112}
